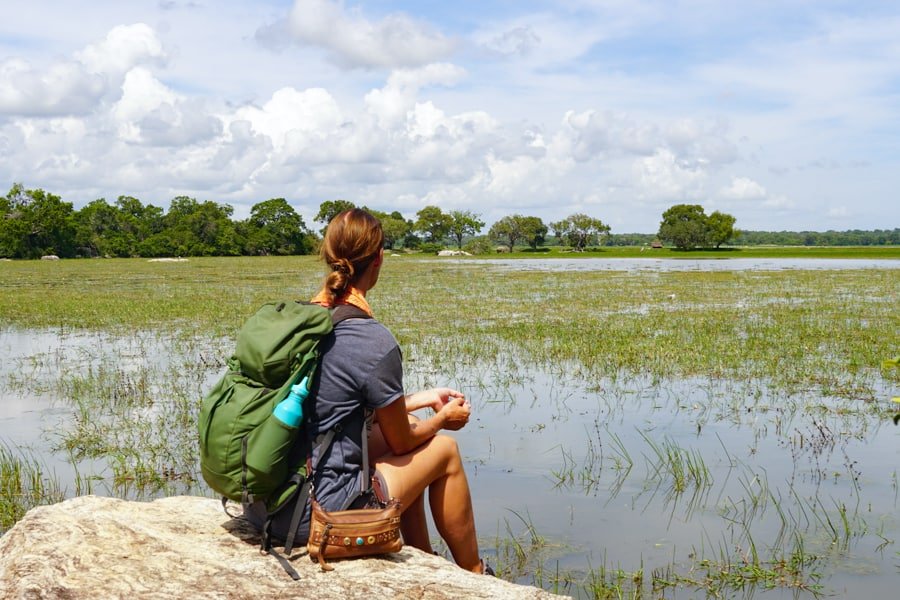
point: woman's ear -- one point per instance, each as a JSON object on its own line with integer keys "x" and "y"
{"x": 379, "y": 259}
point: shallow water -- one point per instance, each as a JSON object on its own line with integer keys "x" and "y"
{"x": 573, "y": 458}
{"x": 526, "y": 435}
{"x": 681, "y": 264}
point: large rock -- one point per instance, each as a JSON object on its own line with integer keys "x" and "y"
{"x": 186, "y": 547}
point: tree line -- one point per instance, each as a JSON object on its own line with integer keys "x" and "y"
{"x": 34, "y": 223}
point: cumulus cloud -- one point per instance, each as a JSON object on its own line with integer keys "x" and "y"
{"x": 124, "y": 47}
{"x": 743, "y": 188}
{"x": 390, "y": 104}
{"x": 75, "y": 87}
{"x": 291, "y": 117}
{"x": 149, "y": 112}
{"x": 664, "y": 176}
{"x": 62, "y": 88}
{"x": 354, "y": 41}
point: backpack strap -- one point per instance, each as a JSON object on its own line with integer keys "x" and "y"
{"x": 342, "y": 312}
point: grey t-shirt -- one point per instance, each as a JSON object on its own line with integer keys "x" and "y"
{"x": 360, "y": 371}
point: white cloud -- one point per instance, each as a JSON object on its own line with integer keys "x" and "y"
{"x": 354, "y": 41}
{"x": 663, "y": 176}
{"x": 520, "y": 40}
{"x": 743, "y": 188}
{"x": 149, "y": 112}
{"x": 71, "y": 87}
{"x": 125, "y": 46}
{"x": 291, "y": 117}
{"x": 390, "y": 103}
{"x": 62, "y": 88}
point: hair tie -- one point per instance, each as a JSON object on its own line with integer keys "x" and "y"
{"x": 341, "y": 267}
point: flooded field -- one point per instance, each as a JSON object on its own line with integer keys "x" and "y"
{"x": 642, "y": 430}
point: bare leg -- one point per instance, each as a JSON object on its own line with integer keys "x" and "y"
{"x": 413, "y": 524}
{"x": 436, "y": 465}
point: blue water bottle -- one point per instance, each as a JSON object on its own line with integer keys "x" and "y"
{"x": 290, "y": 410}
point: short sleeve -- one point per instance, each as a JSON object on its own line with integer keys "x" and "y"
{"x": 385, "y": 382}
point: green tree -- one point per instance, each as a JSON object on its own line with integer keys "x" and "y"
{"x": 434, "y": 223}
{"x": 394, "y": 226}
{"x": 35, "y": 223}
{"x": 464, "y": 223}
{"x": 721, "y": 228}
{"x": 99, "y": 231}
{"x": 197, "y": 229}
{"x": 685, "y": 226}
{"x": 330, "y": 209}
{"x": 533, "y": 231}
{"x": 13, "y": 223}
{"x": 515, "y": 228}
{"x": 579, "y": 230}
{"x": 274, "y": 227}
{"x": 139, "y": 220}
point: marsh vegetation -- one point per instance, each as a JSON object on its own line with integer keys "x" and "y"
{"x": 635, "y": 431}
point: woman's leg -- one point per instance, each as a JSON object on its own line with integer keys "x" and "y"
{"x": 437, "y": 465}
{"x": 413, "y": 523}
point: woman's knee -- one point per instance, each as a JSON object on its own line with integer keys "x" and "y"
{"x": 447, "y": 447}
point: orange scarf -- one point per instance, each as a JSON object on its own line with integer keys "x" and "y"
{"x": 353, "y": 297}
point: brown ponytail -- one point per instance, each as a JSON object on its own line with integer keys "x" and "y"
{"x": 352, "y": 241}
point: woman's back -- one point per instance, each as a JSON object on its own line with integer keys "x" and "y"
{"x": 360, "y": 368}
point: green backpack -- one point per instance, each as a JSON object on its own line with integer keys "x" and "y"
{"x": 246, "y": 454}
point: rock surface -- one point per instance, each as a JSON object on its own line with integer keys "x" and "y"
{"x": 187, "y": 547}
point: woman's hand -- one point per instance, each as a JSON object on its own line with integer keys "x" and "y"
{"x": 451, "y": 412}
{"x": 435, "y": 399}
{"x": 455, "y": 413}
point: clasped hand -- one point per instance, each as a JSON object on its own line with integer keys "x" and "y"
{"x": 450, "y": 403}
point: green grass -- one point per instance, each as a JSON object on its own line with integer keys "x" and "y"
{"x": 24, "y": 483}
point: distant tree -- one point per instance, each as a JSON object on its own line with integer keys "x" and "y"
{"x": 274, "y": 227}
{"x": 330, "y": 209}
{"x": 516, "y": 228}
{"x": 139, "y": 220}
{"x": 434, "y": 223}
{"x": 506, "y": 231}
{"x": 720, "y": 227}
{"x": 99, "y": 231}
{"x": 34, "y": 223}
{"x": 579, "y": 230}
{"x": 464, "y": 223}
{"x": 685, "y": 226}
{"x": 198, "y": 229}
{"x": 393, "y": 225}
{"x": 14, "y": 225}
{"x": 533, "y": 231}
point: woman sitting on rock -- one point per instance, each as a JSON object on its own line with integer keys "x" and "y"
{"x": 361, "y": 374}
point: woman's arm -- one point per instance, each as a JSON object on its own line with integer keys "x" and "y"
{"x": 403, "y": 436}
{"x": 434, "y": 399}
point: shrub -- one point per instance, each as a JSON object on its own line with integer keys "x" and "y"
{"x": 479, "y": 246}
{"x": 430, "y": 248}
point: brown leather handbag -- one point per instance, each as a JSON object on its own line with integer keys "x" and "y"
{"x": 353, "y": 533}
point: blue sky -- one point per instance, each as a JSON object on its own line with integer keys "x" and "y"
{"x": 783, "y": 114}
